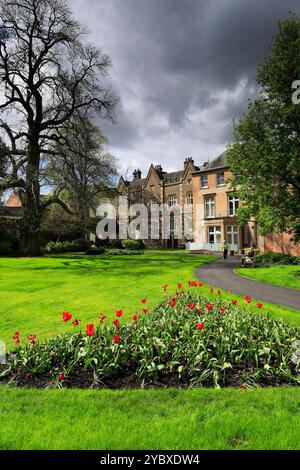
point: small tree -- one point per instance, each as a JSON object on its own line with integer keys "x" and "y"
{"x": 264, "y": 155}
{"x": 48, "y": 73}
{"x": 81, "y": 170}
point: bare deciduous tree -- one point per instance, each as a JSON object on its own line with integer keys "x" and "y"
{"x": 81, "y": 171}
{"x": 49, "y": 72}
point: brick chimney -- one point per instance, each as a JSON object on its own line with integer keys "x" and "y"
{"x": 137, "y": 174}
{"x": 187, "y": 161}
{"x": 158, "y": 168}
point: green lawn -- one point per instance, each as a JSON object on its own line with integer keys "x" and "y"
{"x": 286, "y": 276}
{"x": 34, "y": 292}
{"x": 137, "y": 419}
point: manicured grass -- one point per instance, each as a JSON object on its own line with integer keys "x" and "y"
{"x": 154, "y": 419}
{"x": 285, "y": 276}
{"x": 35, "y": 292}
{"x": 289, "y": 315}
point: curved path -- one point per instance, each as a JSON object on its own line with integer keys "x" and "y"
{"x": 220, "y": 274}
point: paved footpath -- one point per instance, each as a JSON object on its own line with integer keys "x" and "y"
{"x": 220, "y": 274}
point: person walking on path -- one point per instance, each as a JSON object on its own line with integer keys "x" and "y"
{"x": 225, "y": 249}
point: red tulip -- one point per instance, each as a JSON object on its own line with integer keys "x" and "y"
{"x": 209, "y": 306}
{"x": 179, "y": 285}
{"x": 76, "y": 322}
{"x": 259, "y": 305}
{"x": 145, "y": 310}
{"x": 247, "y": 298}
{"x": 116, "y": 322}
{"x": 211, "y": 290}
{"x": 134, "y": 318}
{"x": 200, "y": 310}
{"x": 218, "y": 292}
{"x": 200, "y": 284}
{"x": 102, "y": 317}
{"x": 234, "y": 302}
{"x": 191, "y": 306}
{"x": 143, "y": 301}
{"x": 173, "y": 303}
{"x": 200, "y": 326}
{"x": 66, "y": 316}
{"x": 90, "y": 329}
{"x": 16, "y": 337}
{"x": 32, "y": 339}
{"x": 165, "y": 287}
{"x": 61, "y": 376}
{"x": 116, "y": 339}
{"x": 119, "y": 313}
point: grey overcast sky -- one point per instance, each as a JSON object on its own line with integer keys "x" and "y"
{"x": 182, "y": 69}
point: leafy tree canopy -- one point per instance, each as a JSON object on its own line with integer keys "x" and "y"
{"x": 264, "y": 154}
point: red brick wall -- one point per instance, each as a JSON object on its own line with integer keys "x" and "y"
{"x": 281, "y": 243}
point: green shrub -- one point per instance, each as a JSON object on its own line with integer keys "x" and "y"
{"x": 112, "y": 252}
{"x": 82, "y": 243}
{"x": 277, "y": 258}
{"x": 198, "y": 340}
{"x": 5, "y": 247}
{"x": 115, "y": 244}
{"x": 95, "y": 251}
{"x": 133, "y": 244}
{"x": 68, "y": 247}
{"x": 9, "y": 242}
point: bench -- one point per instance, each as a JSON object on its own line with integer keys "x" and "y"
{"x": 249, "y": 261}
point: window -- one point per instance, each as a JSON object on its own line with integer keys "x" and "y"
{"x": 172, "y": 200}
{"x": 220, "y": 178}
{"x": 232, "y": 234}
{"x": 172, "y": 224}
{"x": 188, "y": 224}
{"x": 214, "y": 234}
{"x": 233, "y": 204}
{"x": 204, "y": 181}
{"x": 209, "y": 206}
{"x": 153, "y": 202}
{"x": 189, "y": 199}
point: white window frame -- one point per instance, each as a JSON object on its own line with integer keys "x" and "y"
{"x": 232, "y": 234}
{"x": 209, "y": 207}
{"x": 223, "y": 178}
{"x": 233, "y": 203}
{"x": 189, "y": 198}
{"x": 215, "y": 231}
{"x": 172, "y": 200}
{"x": 204, "y": 186}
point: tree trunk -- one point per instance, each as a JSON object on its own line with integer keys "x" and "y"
{"x": 30, "y": 243}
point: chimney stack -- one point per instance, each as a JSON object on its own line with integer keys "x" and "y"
{"x": 187, "y": 161}
{"x": 158, "y": 168}
{"x": 137, "y": 174}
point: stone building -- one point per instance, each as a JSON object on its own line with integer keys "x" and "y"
{"x": 161, "y": 187}
{"x": 204, "y": 193}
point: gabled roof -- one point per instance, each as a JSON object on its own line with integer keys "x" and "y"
{"x": 173, "y": 176}
{"x": 137, "y": 182}
{"x": 218, "y": 163}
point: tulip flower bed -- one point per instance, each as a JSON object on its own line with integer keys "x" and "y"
{"x": 188, "y": 340}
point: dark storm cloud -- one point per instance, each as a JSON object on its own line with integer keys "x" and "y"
{"x": 183, "y": 69}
